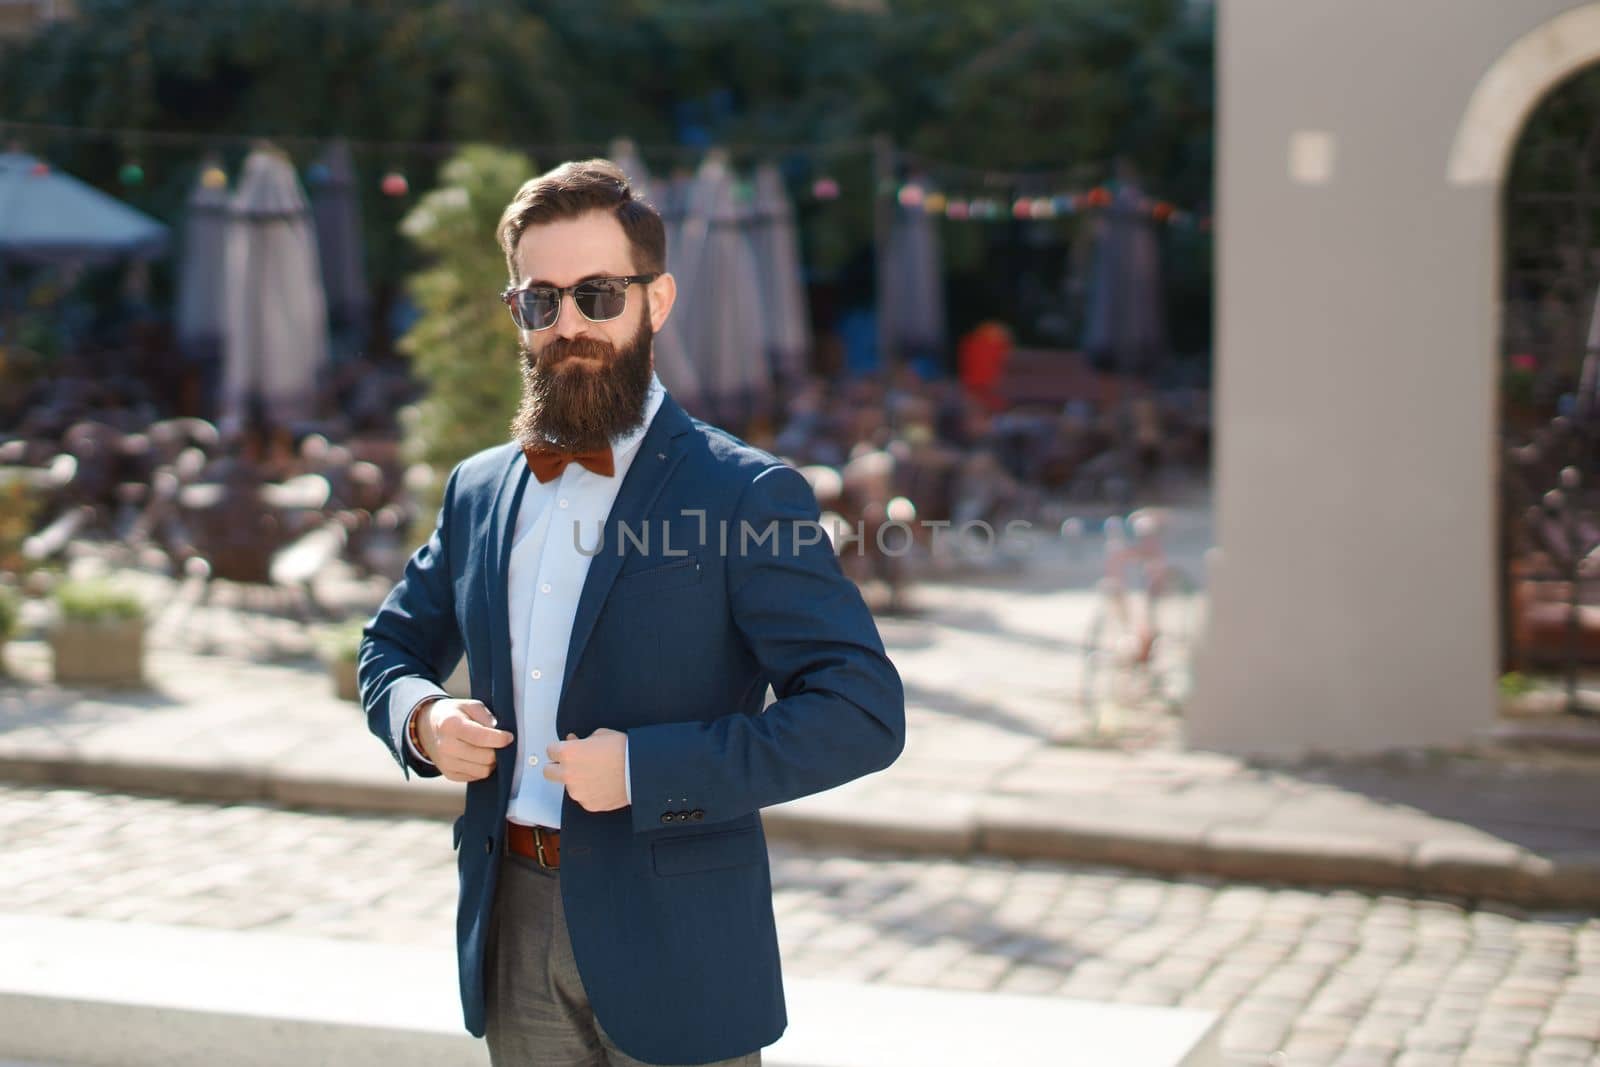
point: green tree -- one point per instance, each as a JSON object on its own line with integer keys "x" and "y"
{"x": 463, "y": 347}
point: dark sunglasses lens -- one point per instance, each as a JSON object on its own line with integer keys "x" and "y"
{"x": 601, "y": 300}
{"x": 538, "y": 307}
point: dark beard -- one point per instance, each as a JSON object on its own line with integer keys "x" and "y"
{"x": 577, "y": 408}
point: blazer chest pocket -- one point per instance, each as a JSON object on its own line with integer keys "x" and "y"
{"x": 708, "y": 852}
{"x": 675, "y": 575}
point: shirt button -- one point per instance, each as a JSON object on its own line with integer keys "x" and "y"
{"x": 545, "y": 588}
{"x": 563, "y": 503}
{"x": 533, "y": 761}
{"x": 536, "y": 674}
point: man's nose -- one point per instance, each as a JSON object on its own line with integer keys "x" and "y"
{"x": 570, "y": 323}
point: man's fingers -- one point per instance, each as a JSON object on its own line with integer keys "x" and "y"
{"x": 471, "y": 754}
{"x": 552, "y": 751}
{"x": 474, "y": 710}
{"x": 554, "y": 772}
{"x": 478, "y": 735}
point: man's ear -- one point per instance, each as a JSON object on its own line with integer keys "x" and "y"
{"x": 663, "y": 294}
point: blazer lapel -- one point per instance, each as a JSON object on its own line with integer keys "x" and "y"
{"x": 508, "y": 497}
{"x": 660, "y": 451}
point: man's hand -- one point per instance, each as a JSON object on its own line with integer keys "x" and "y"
{"x": 460, "y": 738}
{"x": 591, "y": 769}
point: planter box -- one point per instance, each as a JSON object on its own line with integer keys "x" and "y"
{"x": 109, "y": 652}
{"x": 343, "y": 672}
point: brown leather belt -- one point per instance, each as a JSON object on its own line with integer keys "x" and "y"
{"x": 539, "y": 843}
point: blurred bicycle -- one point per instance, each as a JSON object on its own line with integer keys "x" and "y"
{"x": 1137, "y": 649}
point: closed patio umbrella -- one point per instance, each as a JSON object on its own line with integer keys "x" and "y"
{"x": 1123, "y": 329}
{"x": 673, "y": 365}
{"x": 913, "y": 294}
{"x": 276, "y": 324}
{"x": 777, "y": 252}
{"x": 336, "y": 207}
{"x": 724, "y": 321}
{"x": 201, "y": 286}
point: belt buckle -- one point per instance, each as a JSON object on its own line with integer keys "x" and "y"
{"x": 538, "y": 847}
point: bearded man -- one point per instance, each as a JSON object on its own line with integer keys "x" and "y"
{"x": 626, "y": 583}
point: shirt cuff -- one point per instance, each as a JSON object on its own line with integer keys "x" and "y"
{"x": 413, "y": 748}
{"x": 627, "y": 779}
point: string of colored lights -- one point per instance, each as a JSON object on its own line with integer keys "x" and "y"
{"x": 948, "y": 200}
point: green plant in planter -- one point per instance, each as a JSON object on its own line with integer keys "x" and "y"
{"x": 99, "y": 634}
{"x": 17, "y": 506}
{"x": 1514, "y": 684}
{"x": 341, "y": 643}
{"x": 96, "y": 600}
{"x": 339, "y": 646}
{"x": 10, "y": 615}
{"x": 10, "y": 612}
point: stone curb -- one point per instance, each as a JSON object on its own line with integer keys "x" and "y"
{"x": 135, "y": 994}
{"x": 1005, "y": 827}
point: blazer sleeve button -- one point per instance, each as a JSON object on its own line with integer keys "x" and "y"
{"x": 666, "y": 816}
{"x": 697, "y": 814}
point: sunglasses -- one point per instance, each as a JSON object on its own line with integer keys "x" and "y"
{"x": 599, "y": 299}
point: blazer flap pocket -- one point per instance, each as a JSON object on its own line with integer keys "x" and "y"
{"x": 708, "y": 852}
{"x": 455, "y": 830}
{"x": 678, "y": 573}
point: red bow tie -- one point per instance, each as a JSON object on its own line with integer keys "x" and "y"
{"x": 548, "y": 463}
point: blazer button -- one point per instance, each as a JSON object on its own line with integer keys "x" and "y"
{"x": 666, "y": 816}
{"x": 697, "y": 814}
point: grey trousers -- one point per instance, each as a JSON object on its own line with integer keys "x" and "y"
{"x": 537, "y": 1013}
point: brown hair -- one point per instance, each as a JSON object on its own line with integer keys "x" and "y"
{"x": 574, "y": 189}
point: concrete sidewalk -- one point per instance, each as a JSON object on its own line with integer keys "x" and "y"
{"x": 1525, "y": 832}
{"x": 990, "y": 677}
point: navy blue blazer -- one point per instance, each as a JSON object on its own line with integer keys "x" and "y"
{"x": 675, "y": 640}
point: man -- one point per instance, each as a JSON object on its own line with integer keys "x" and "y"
{"x": 625, "y": 581}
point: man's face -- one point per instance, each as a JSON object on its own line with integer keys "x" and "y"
{"x": 585, "y": 382}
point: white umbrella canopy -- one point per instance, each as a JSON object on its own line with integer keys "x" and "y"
{"x": 673, "y": 365}
{"x": 673, "y": 202}
{"x": 777, "y": 250}
{"x": 337, "y": 209}
{"x": 724, "y": 326}
{"x": 913, "y": 295}
{"x": 201, "y": 288}
{"x": 276, "y": 342}
{"x": 1124, "y": 329}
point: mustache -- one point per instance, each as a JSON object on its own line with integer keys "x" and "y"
{"x": 563, "y": 348}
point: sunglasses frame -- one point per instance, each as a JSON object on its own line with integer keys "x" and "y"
{"x": 510, "y": 295}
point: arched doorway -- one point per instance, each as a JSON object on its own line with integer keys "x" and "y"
{"x": 1550, "y": 423}
{"x": 1532, "y": 129}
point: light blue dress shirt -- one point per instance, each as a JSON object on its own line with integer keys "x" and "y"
{"x": 543, "y": 584}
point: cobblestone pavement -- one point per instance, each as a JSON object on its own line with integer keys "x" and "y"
{"x": 1306, "y": 976}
